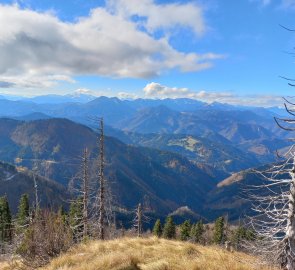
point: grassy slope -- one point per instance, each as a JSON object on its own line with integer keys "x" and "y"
{"x": 150, "y": 254}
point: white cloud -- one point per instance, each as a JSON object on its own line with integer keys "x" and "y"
{"x": 125, "y": 95}
{"x": 24, "y": 80}
{"x": 165, "y": 16}
{"x": 84, "y": 91}
{"x": 39, "y": 50}
{"x": 156, "y": 90}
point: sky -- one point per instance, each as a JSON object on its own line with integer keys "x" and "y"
{"x": 231, "y": 51}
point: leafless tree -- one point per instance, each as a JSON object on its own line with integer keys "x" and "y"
{"x": 85, "y": 193}
{"x": 81, "y": 186}
{"x": 102, "y": 212}
{"x": 140, "y": 219}
{"x": 274, "y": 222}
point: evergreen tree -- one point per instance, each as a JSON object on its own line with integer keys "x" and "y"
{"x": 62, "y": 213}
{"x": 185, "y": 229}
{"x": 5, "y": 221}
{"x": 76, "y": 218}
{"x": 169, "y": 230}
{"x": 218, "y": 237}
{"x": 23, "y": 211}
{"x": 197, "y": 231}
{"x": 241, "y": 234}
{"x": 158, "y": 230}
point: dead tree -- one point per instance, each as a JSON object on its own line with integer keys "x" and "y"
{"x": 35, "y": 171}
{"x": 102, "y": 212}
{"x": 36, "y": 193}
{"x": 138, "y": 220}
{"x": 274, "y": 222}
{"x": 80, "y": 187}
{"x": 85, "y": 193}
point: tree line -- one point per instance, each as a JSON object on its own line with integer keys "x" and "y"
{"x": 219, "y": 233}
{"x": 38, "y": 235}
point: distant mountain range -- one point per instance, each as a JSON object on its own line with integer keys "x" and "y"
{"x": 167, "y": 154}
{"x": 162, "y": 181}
{"x": 171, "y": 116}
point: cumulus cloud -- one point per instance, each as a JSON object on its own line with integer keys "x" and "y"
{"x": 156, "y": 90}
{"x": 162, "y": 16}
{"x": 39, "y": 50}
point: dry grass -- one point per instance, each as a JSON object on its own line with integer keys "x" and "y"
{"x": 4, "y": 266}
{"x": 151, "y": 254}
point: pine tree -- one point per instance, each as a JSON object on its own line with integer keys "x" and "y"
{"x": 242, "y": 234}
{"x": 185, "y": 229}
{"x": 62, "y": 213}
{"x": 197, "y": 232}
{"x": 169, "y": 230}
{"x": 5, "y": 221}
{"x": 218, "y": 237}
{"x": 158, "y": 230}
{"x": 23, "y": 211}
{"x": 76, "y": 218}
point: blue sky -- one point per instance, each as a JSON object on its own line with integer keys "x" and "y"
{"x": 215, "y": 50}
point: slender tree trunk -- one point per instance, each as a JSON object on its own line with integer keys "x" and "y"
{"x": 36, "y": 194}
{"x": 101, "y": 184}
{"x": 139, "y": 220}
{"x": 290, "y": 230}
{"x": 85, "y": 194}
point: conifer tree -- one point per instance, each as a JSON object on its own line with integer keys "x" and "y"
{"x": 158, "y": 230}
{"x": 76, "y": 218}
{"x": 62, "y": 213}
{"x": 169, "y": 231}
{"x": 23, "y": 211}
{"x": 197, "y": 231}
{"x": 218, "y": 237}
{"x": 185, "y": 229}
{"x": 242, "y": 234}
{"x": 5, "y": 221}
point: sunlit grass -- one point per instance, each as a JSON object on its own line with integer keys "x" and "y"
{"x": 151, "y": 254}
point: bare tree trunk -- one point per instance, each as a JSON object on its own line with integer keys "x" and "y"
{"x": 85, "y": 194}
{"x": 36, "y": 194}
{"x": 101, "y": 220}
{"x": 290, "y": 230}
{"x": 35, "y": 171}
{"x": 139, "y": 220}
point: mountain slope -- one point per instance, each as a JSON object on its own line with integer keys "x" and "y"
{"x": 217, "y": 153}
{"x": 251, "y": 133}
{"x": 232, "y": 195}
{"x": 16, "y": 181}
{"x": 162, "y": 181}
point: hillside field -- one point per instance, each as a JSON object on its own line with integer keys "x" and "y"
{"x": 150, "y": 254}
